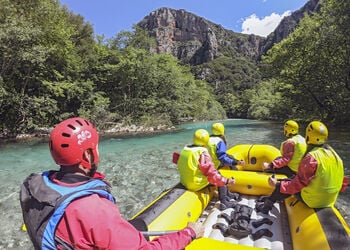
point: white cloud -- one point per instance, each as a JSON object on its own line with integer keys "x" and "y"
{"x": 262, "y": 27}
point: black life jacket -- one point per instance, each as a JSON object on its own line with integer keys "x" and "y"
{"x": 43, "y": 204}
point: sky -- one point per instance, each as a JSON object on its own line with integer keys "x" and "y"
{"x": 259, "y": 17}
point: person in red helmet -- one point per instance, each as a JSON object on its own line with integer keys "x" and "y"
{"x": 72, "y": 208}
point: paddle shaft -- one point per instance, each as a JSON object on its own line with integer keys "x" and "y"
{"x": 157, "y": 233}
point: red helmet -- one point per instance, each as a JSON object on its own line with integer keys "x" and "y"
{"x": 70, "y": 139}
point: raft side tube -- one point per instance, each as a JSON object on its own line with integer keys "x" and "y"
{"x": 254, "y": 155}
{"x": 249, "y": 182}
{"x": 177, "y": 207}
{"x": 211, "y": 244}
{"x": 321, "y": 228}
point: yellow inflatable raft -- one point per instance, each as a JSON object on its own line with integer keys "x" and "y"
{"x": 254, "y": 155}
{"x": 289, "y": 225}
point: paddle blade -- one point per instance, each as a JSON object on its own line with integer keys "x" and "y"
{"x": 175, "y": 157}
{"x": 345, "y": 183}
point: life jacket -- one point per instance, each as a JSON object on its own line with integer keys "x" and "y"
{"x": 212, "y": 146}
{"x": 44, "y": 202}
{"x": 324, "y": 188}
{"x": 188, "y": 164}
{"x": 299, "y": 151}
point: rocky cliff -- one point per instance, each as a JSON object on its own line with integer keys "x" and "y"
{"x": 195, "y": 40}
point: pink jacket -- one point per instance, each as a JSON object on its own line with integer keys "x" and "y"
{"x": 306, "y": 172}
{"x": 288, "y": 152}
{"x": 94, "y": 222}
{"x": 206, "y": 166}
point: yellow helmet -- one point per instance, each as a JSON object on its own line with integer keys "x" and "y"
{"x": 201, "y": 137}
{"x": 218, "y": 129}
{"x": 316, "y": 133}
{"x": 291, "y": 128}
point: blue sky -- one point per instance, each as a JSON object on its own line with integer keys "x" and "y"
{"x": 259, "y": 17}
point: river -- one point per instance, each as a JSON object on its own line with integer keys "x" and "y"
{"x": 139, "y": 167}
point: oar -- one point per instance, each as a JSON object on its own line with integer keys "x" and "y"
{"x": 145, "y": 233}
{"x": 157, "y": 233}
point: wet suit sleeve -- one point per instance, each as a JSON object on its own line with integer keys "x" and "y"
{"x": 222, "y": 156}
{"x": 306, "y": 172}
{"x": 96, "y": 222}
{"x": 288, "y": 152}
{"x": 206, "y": 166}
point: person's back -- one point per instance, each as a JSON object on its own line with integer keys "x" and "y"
{"x": 73, "y": 208}
{"x": 196, "y": 167}
{"x": 319, "y": 178}
{"x": 323, "y": 189}
{"x": 217, "y": 147}
{"x": 292, "y": 151}
{"x": 190, "y": 175}
{"x": 299, "y": 151}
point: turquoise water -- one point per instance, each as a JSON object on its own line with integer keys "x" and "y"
{"x": 138, "y": 167}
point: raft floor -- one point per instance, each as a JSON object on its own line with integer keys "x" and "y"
{"x": 280, "y": 240}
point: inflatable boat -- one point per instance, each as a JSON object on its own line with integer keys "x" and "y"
{"x": 289, "y": 225}
{"x": 254, "y": 155}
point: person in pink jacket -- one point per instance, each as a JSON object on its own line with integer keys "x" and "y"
{"x": 197, "y": 170}
{"x": 292, "y": 151}
{"x": 319, "y": 178}
{"x": 72, "y": 208}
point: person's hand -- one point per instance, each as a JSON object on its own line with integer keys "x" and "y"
{"x": 272, "y": 181}
{"x": 231, "y": 182}
{"x": 198, "y": 228}
{"x": 241, "y": 163}
{"x": 266, "y": 165}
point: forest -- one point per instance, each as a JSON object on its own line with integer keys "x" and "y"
{"x": 53, "y": 67}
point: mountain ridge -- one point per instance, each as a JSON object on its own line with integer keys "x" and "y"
{"x": 196, "y": 40}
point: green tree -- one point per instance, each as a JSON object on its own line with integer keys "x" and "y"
{"x": 314, "y": 59}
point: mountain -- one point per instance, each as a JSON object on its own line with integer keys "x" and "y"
{"x": 289, "y": 23}
{"x": 195, "y": 40}
{"x": 228, "y": 61}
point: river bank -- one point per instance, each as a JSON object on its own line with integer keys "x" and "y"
{"x": 117, "y": 129}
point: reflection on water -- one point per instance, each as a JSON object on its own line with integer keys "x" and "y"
{"x": 138, "y": 167}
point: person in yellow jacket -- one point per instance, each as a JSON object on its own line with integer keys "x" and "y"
{"x": 197, "y": 169}
{"x": 319, "y": 178}
{"x": 292, "y": 151}
{"x": 217, "y": 148}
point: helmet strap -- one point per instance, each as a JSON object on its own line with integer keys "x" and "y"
{"x": 93, "y": 169}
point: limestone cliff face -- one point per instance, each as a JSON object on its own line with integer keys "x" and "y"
{"x": 186, "y": 36}
{"x": 193, "y": 39}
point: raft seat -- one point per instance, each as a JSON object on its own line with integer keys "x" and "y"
{"x": 280, "y": 238}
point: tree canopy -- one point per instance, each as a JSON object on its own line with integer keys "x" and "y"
{"x": 54, "y": 67}
{"x": 313, "y": 65}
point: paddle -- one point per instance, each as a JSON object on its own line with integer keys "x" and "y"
{"x": 345, "y": 183}
{"x": 175, "y": 157}
{"x": 145, "y": 233}
{"x": 157, "y": 233}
